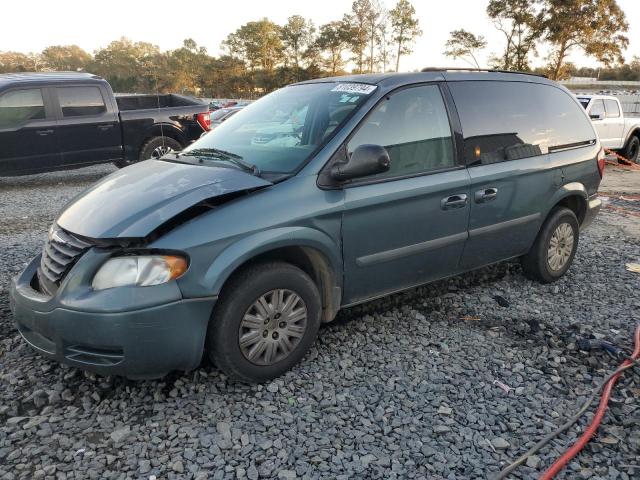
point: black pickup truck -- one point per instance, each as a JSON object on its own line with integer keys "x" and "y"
{"x": 55, "y": 121}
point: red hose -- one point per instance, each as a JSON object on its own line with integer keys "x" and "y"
{"x": 560, "y": 463}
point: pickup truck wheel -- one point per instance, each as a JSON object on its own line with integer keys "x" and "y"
{"x": 265, "y": 321}
{"x": 552, "y": 253}
{"x": 632, "y": 150}
{"x": 156, "y": 147}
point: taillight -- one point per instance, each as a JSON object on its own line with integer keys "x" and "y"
{"x": 204, "y": 120}
{"x": 601, "y": 162}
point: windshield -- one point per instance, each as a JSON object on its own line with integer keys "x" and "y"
{"x": 279, "y": 132}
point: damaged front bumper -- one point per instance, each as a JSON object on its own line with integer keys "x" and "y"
{"x": 137, "y": 332}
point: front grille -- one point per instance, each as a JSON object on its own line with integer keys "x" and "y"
{"x": 60, "y": 252}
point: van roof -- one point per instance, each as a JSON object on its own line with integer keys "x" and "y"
{"x": 434, "y": 74}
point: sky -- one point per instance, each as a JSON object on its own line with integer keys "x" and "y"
{"x": 30, "y": 26}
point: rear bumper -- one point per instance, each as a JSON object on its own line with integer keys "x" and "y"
{"x": 593, "y": 207}
{"x": 137, "y": 343}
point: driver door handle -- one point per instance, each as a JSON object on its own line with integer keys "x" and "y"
{"x": 486, "y": 195}
{"x": 454, "y": 201}
{"x": 44, "y": 133}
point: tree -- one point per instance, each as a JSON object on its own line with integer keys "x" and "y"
{"x": 384, "y": 40}
{"x": 297, "y": 36}
{"x": 19, "y": 62}
{"x": 373, "y": 16}
{"x": 187, "y": 66}
{"x": 463, "y": 44}
{"x": 596, "y": 27}
{"x": 65, "y": 58}
{"x": 357, "y": 23}
{"x": 405, "y": 28}
{"x": 332, "y": 41}
{"x": 521, "y": 27}
{"x": 129, "y": 66}
{"x": 257, "y": 43}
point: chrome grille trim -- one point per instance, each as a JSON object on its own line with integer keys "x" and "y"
{"x": 60, "y": 252}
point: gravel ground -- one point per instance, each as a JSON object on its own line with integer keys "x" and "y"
{"x": 403, "y": 387}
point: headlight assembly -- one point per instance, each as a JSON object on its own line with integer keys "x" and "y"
{"x": 139, "y": 270}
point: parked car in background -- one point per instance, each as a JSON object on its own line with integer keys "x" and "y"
{"x": 53, "y": 121}
{"x": 222, "y": 115}
{"x": 242, "y": 249}
{"x": 617, "y": 130}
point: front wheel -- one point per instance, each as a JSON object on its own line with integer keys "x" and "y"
{"x": 266, "y": 320}
{"x": 552, "y": 253}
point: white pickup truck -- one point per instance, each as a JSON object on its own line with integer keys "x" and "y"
{"x": 616, "y": 130}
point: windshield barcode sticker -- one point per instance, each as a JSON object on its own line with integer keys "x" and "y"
{"x": 354, "y": 88}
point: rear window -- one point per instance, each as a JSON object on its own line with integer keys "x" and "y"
{"x": 505, "y": 121}
{"x": 20, "y": 106}
{"x": 81, "y": 101}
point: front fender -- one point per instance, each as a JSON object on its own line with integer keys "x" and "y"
{"x": 260, "y": 242}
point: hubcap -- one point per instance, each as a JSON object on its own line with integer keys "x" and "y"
{"x": 272, "y": 327}
{"x": 160, "y": 151}
{"x": 560, "y": 247}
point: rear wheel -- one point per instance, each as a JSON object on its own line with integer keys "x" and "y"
{"x": 632, "y": 150}
{"x": 552, "y": 253}
{"x": 155, "y": 148}
{"x": 265, "y": 321}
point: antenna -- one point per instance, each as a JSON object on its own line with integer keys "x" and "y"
{"x": 155, "y": 76}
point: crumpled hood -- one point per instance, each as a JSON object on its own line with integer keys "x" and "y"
{"x": 132, "y": 202}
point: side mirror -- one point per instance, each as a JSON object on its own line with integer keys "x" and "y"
{"x": 365, "y": 160}
{"x": 597, "y": 116}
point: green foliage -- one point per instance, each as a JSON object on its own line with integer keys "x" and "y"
{"x": 405, "y": 28}
{"x": 19, "y": 62}
{"x": 333, "y": 40}
{"x": 261, "y": 56}
{"x": 521, "y": 24}
{"x": 65, "y": 57}
{"x": 464, "y": 44}
{"x": 298, "y": 36}
{"x": 595, "y": 26}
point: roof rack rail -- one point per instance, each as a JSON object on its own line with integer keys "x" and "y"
{"x": 493, "y": 70}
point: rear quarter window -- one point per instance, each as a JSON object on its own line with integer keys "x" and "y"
{"x": 505, "y": 121}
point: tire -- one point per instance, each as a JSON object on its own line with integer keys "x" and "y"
{"x": 540, "y": 263}
{"x": 235, "y": 316}
{"x": 155, "y": 147}
{"x": 632, "y": 150}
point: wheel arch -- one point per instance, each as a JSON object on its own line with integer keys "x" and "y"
{"x": 573, "y": 196}
{"x": 308, "y": 249}
{"x": 634, "y": 132}
{"x": 163, "y": 130}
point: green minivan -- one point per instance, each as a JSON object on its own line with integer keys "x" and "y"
{"x": 321, "y": 195}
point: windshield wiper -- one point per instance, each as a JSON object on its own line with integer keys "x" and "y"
{"x": 218, "y": 154}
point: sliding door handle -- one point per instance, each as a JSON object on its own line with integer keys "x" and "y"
{"x": 486, "y": 195}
